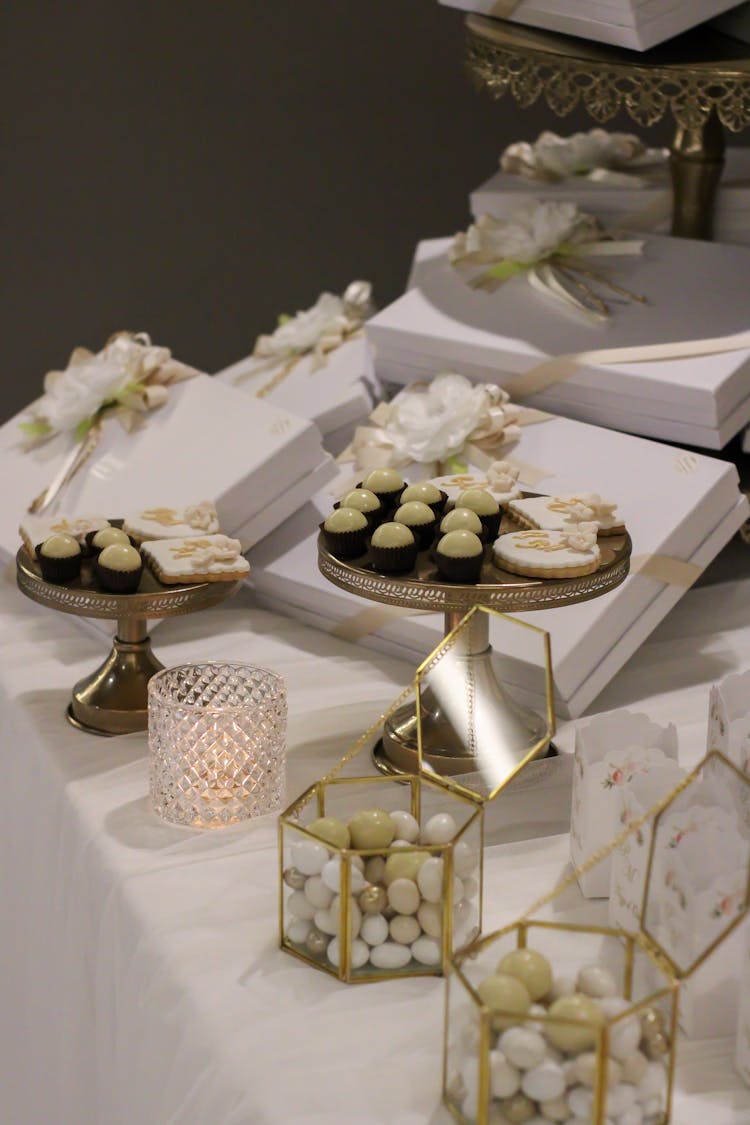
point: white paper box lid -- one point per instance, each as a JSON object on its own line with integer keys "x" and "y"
{"x": 673, "y": 503}
{"x": 340, "y": 392}
{"x": 638, "y": 24}
{"x": 696, "y": 290}
{"x": 208, "y": 442}
{"x": 501, "y": 193}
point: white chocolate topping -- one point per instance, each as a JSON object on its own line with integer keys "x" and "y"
{"x": 423, "y": 490}
{"x": 383, "y": 480}
{"x": 206, "y": 554}
{"x": 60, "y": 546}
{"x": 106, "y": 536}
{"x": 414, "y": 513}
{"x": 345, "y": 519}
{"x": 479, "y": 500}
{"x": 460, "y": 545}
{"x": 362, "y": 499}
{"x": 35, "y": 529}
{"x": 461, "y": 519}
{"x": 168, "y": 523}
{"x": 120, "y": 556}
{"x": 392, "y": 535}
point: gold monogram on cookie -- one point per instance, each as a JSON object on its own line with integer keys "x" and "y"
{"x": 537, "y": 541}
{"x": 167, "y": 517}
{"x": 464, "y": 481}
{"x": 187, "y": 550}
{"x": 563, "y": 506}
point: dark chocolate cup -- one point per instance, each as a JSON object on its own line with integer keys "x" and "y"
{"x": 394, "y": 560}
{"x": 388, "y": 500}
{"x": 346, "y": 544}
{"x": 59, "y": 570}
{"x": 374, "y": 519}
{"x": 424, "y": 533}
{"x": 467, "y": 568}
{"x": 118, "y": 581}
{"x": 491, "y": 526}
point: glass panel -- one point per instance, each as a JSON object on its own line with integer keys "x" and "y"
{"x": 697, "y": 883}
{"x": 473, "y": 731}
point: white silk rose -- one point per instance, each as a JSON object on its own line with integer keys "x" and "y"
{"x": 223, "y": 551}
{"x": 320, "y": 328}
{"x": 502, "y": 476}
{"x": 534, "y": 233}
{"x": 552, "y": 157}
{"x": 433, "y": 422}
{"x": 73, "y": 396}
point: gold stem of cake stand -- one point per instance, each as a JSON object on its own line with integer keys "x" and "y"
{"x": 469, "y": 690}
{"x": 114, "y": 698}
{"x": 696, "y": 163}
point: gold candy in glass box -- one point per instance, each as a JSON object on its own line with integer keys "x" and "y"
{"x": 549, "y": 1020}
{"x": 381, "y": 874}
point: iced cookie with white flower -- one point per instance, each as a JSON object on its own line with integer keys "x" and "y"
{"x": 35, "y": 529}
{"x": 556, "y": 513}
{"x": 549, "y": 554}
{"x": 206, "y": 558}
{"x": 172, "y": 523}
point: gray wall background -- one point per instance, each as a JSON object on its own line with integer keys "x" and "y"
{"x": 192, "y": 169}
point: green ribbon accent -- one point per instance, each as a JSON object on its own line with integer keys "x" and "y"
{"x": 507, "y": 269}
{"x": 283, "y": 319}
{"x": 83, "y": 428}
{"x": 36, "y": 429}
{"x": 454, "y": 465}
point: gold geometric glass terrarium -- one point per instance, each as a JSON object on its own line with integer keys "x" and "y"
{"x": 381, "y": 876}
{"x": 564, "y": 1021}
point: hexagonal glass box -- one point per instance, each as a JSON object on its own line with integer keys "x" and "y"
{"x": 554, "y": 1020}
{"x": 381, "y": 865}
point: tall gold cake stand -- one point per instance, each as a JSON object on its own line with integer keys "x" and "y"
{"x": 471, "y": 681}
{"x": 702, "y": 78}
{"x": 113, "y": 699}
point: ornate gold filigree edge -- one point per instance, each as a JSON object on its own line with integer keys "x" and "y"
{"x": 604, "y": 87}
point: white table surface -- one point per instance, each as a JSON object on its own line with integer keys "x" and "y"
{"x": 140, "y": 980}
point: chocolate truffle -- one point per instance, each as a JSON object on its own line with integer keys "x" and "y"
{"x": 119, "y": 568}
{"x": 461, "y": 519}
{"x": 345, "y": 533}
{"x": 393, "y": 548}
{"x": 420, "y": 518}
{"x": 364, "y": 500}
{"x": 387, "y": 484}
{"x": 105, "y": 537}
{"x": 428, "y": 493}
{"x": 459, "y": 556}
{"x": 486, "y": 507}
{"x": 60, "y": 558}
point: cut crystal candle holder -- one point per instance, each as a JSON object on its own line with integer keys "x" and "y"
{"x": 217, "y": 742}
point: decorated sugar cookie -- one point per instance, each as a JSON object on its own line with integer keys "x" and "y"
{"x": 555, "y": 513}
{"x": 172, "y": 523}
{"x": 549, "y": 554}
{"x": 35, "y": 529}
{"x": 500, "y": 479}
{"x": 207, "y": 558}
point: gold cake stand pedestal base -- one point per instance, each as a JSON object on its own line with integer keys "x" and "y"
{"x": 465, "y": 692}
{"x": 114, "y": 698}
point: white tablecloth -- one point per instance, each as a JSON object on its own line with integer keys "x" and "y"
{"x": 141, "y": 983}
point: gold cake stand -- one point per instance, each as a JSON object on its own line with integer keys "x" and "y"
{"x": 113, "y": 699}
{"x": 512, "y": 728}
{"x": 702, "y": 78}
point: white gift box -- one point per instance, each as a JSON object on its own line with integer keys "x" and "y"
{"x": 680, "y": 505}
{"x": 335, "y": 395}
{"x": 610, "y": 752}
{"x": 256, "y": 462}
{"x": 638, "y": 24}
{"x": 695, "y": 292}
{"x": 648, "y": 207}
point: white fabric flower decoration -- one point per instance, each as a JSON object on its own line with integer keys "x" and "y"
{"x": 552, "y": 157}
{"x": 582, "y": 536}
{"x": 535, "y": 232}
{"x": 203, "y": 516}
{"x": 320, "y": 328}
{"x": 76, "y": 394}
{"x": 433, "y": 422}
{"x": 600, "y": 509}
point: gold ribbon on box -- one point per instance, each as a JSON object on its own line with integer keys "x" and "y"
{"x": 128, "y": 379}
